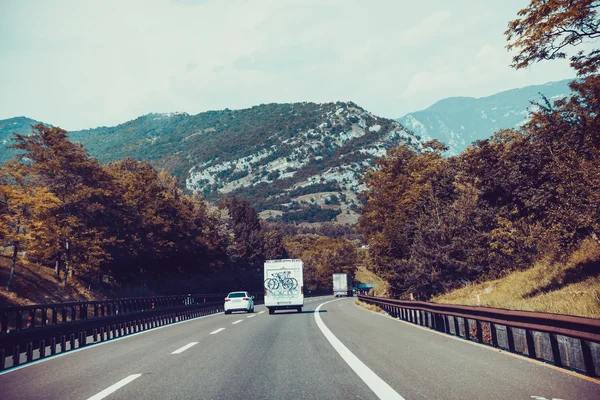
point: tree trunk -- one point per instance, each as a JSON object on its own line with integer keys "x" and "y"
{"x": 12, "y": 266}
{"x": 57, "y": 266}
{"x": 65, "y": 272}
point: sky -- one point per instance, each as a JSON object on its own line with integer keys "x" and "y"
{"x": 82, "y": 64}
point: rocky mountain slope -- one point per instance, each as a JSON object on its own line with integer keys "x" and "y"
{"x": 301, "y": 162}
{"x": 459, "y": 121}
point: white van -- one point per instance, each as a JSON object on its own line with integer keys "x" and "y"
{"x": 284, "y": 285}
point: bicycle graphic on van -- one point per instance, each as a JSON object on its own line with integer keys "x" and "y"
{"x": 281, "y": 280}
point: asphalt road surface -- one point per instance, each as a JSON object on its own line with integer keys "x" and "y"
{"x": 335, "y": 350}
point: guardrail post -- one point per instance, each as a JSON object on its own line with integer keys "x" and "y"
{"x": 479, "y": 331}
{"x": 510, "y": 339}
{"x": 42, "y": 348}
{"x": 456, "y": 327}
{"x": 2, "y": 359}
{"x": 555, "y": 350}
{"x": 73, "y": 313}
{"x": 44, "y": 316}
{"x": 29, "y": 351}
{"x": 16, "y": 355}
{"x": 53, "y": 346}
{"x": 467, "y": 329}
{"x": 54, "y": 315}
{"x": 588, "y": 358}
{"x": 494, "y": 334}
{"x": 530, "y": 343}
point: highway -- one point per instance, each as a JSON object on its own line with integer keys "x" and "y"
{"x": 341, "y": 351}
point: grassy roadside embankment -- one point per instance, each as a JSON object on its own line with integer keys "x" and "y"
{"x": 35, "y": 284}
{"x": 570, "y": 287}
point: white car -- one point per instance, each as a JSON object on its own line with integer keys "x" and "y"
{"x": 239, "y": 301}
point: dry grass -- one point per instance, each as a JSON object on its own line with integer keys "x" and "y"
{"x": 571, "y": 288}
{"x": 367, "y": 306}
{"x": 35, "y": 284}
{"x": 363, "y": 275}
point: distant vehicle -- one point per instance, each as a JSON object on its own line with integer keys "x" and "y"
{"x": 342, "y": 285}
{"x": 284, "y": 285}
{"x": 239, "y": 301}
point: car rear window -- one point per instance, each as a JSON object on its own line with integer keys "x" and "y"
{"x": 237, "y": 295}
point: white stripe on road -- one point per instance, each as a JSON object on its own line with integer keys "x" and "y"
{"x": 250, "y": 316}
{"x": 373, "y": 381}
{"x": 217, "y": 331}
{"x": 237, "y": 322}
{"x": 262, "y": 312}
{"x": 184, "y": 348}
{"x": 94, "y": 345}
{"x": 115, "y": 387}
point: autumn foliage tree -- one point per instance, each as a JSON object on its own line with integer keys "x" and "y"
{"x": 434, "y": 224}
{"x": 23, "y": 207}
{"x": 125, "y": 220}
{"x": 78, "y": 236}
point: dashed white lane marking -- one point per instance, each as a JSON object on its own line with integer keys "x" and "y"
{"x": 217, "y": 331}
{"x": 95, "y": 345}
{"x": 261, "y": 311}
{"x": 237, "y": 322}
{"x": 115, "y": 387}
{"x": 372, "y": 380}
{"x": 250, "y": 316}
{"x": 184, "y": 348}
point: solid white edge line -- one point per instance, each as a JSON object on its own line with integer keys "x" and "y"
{"x": 237, "y": 322}
{"x": 184, "y": 348}
{"x": 217, "y": 331}
{"x": 94, "y": 345}
{"x": 250, "y": 316}
{"x": 261, "y": 311}
{"x": 370, "y": 378}
{"x": 115, "y": 387}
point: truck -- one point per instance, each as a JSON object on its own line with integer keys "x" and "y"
{"x": 284, "y": 285}
{"x": 342, "y": 284}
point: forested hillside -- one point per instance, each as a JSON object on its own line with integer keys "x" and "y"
{"x": 527, "y": 195}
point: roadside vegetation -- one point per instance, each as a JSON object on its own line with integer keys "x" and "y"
{"x": 370, "y": 307}
{"x": 519, "y": 209}
{"x": 514, "y": 219}
{"x": 570, "y": 287}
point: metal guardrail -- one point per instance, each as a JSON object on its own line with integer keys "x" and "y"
{"x": 34, "y": 332}
{"x": 42, "y": 315}
{"x": 566, "y": 341}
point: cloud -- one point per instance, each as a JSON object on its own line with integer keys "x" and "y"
{"x": 427, "y": 81}
{"x": 286, "y": 59}
{"x": 427, "y": 29}
{"x": 82, "y": 64}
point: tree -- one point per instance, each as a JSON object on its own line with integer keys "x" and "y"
{"x": 83, "y": 190}
{"x": 247, "y": 244}
{"x": 547, "y": 28}
{"x": 23, "y": 210}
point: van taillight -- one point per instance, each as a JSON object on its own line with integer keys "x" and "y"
{"x": 265, "y": 292}
{"x": 245, "y": 298}
{"x": 227, "y": 299}
{"x": 301, "y": 289}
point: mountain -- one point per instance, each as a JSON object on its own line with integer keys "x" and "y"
{"x": 459, "y": 121}
{"x": 300, "y": 162}
{"x": 7, "y": 127}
